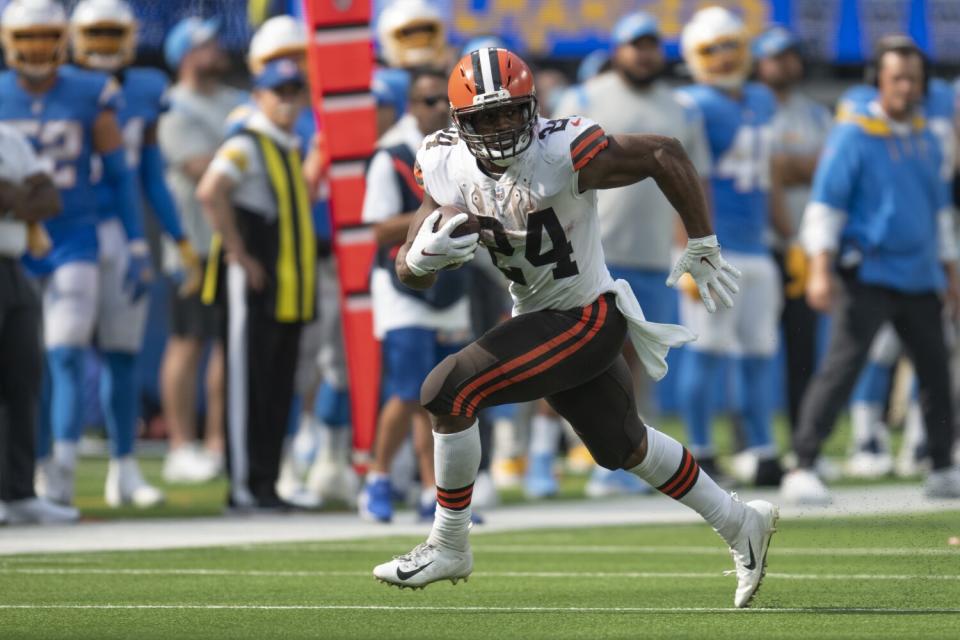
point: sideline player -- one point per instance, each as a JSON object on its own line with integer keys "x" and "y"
{"x": 104, "y": 37}
{"x": 738, "y": 117}
{"x": 532, "y": 184}
{"x": 69, "y": 114}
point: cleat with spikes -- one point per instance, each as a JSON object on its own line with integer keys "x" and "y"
{"x": 749, "y": 549}
{"x": 424, "y": 564}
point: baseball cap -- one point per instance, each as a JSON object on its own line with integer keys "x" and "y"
{"x": 187, "y": 35}
{"x": 389, "y": 87}
{"x": 633, "y": 26}
{"x": 774, "y": 41}
{"x": 278, "y": 72}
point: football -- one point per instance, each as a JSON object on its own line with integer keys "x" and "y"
{"x": 468, "y": 226}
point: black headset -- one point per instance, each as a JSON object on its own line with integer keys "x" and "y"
{"x": 901, "y": 44}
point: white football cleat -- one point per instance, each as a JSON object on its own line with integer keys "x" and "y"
{"x": 802, "y": 486}
{"x": 334, "y": 480}
{"x": 39, "y": 511}
{"x": 943, "y": 483}
{"x": 749, "y": 548}
{"x": 125, "y": 485}
{"x": 54, "y": 481}
{"x": 426, "y": 563}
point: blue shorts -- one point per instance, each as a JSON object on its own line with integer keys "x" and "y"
{"x": 409, "y": 355}
{"x": 659, "y": 302}
{"x": 332, "y": 405}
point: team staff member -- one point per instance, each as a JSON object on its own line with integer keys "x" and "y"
{"x": 800, "y": 128}
{"x": 880, "y": 216}
{"x": 189, "y": 134}
{"x": 256, "y": 199}
{"x": 27, "y": 195}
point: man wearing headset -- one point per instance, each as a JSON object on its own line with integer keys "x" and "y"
{"x": 879, "y": 233}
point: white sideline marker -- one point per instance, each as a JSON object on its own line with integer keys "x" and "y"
{"x": 255, "y": 573}
{"x": 459, "y": 609}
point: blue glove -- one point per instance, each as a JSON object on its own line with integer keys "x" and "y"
{"x": 139, "y": 270}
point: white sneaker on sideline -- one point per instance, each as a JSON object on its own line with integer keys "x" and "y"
{"x": 749, "y": 548}
{"x": 188, "y": 464}
{"x": 866, "y": 464}
{"x": 485, "y": 495}
{"x": 943, "y": 483}
{"x": 424, "y": 564}
{"x": 802, "y": 486}
{"x": 334, "y": 480}
{"x": 125, "y": 485}
{"x": 39, "y": 511}
{"x": 54, "y": 481}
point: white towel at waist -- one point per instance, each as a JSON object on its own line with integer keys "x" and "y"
{"x": 651, "y": 340}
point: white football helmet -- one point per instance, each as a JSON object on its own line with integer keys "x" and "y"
{"x": 411, "y": 34}
{"x": 34, "y": 35}
{"x": 716, "y": 47}
{"x": 103, "y": 34}
{"x": 278, "y": 37}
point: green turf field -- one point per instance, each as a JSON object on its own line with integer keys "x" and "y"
{"x": 880, "y": 577}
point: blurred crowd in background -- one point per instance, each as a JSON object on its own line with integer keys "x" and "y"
{"x": 156, "y": 373}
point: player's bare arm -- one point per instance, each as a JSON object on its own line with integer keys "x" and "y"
{"x": 393, "y": 231}
{"x": 35, "y": 200}
{"x": 630, "y": 158}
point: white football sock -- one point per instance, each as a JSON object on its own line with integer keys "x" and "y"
{"x": 65, "y": 454}
{"x": 456, "y": 459}
{"x": 544, "y": 435}
{"x": 673, "y": 471}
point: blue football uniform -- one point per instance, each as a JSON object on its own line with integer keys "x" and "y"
{"x": 59, "y": 124}
{"x": 144, "y": 100}
{"x": 740, "y": 139}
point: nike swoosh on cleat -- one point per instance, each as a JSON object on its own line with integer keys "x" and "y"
{"x": 433, "y": 255}
{"x": 707, "y": 260}
{"x": 406, "y": 575}
{"x": 748, "y": 567}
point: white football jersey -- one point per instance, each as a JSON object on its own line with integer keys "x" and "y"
{"x": 543, "y": 234}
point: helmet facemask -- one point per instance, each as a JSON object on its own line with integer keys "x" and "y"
{"x": 105, "y": 46}
{"x": 36, "y": 52}
{"x": 501, "y": 147}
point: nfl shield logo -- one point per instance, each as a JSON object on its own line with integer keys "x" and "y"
{"x": 498, "y": 191}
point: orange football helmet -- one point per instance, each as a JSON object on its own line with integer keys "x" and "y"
{"x": 487, "y": 87}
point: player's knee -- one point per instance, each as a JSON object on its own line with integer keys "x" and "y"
{"x": 439, "y": 389}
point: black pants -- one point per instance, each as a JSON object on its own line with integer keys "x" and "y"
{"x": 861, "y": 310}
{"x": 799, "y": 323}
{"x": 261, "y": 363}
{"x": 20, "y": 370}
{"x": 571, "y": 358}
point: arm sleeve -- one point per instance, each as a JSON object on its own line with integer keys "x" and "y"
{"x": 121, "y": 179}
{"x": 155, "y": 187}
{"x": 382, "y": 199}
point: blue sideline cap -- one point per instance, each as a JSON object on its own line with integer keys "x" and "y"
{"x": 187, "y": 35}
{"x": 279, "y": 72}
{"x": 633, "y": 26}
{"x": 390, "y": 87}
{"x": 773, "y": 42}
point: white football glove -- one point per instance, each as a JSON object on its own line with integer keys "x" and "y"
{"x": 432, "y": 250}
{"x": 702, "y": 260}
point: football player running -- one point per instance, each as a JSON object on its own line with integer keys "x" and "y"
{"x": 532, "y": 183}
{"x": 69, "y": 114}
{"x": 104, "y": 36}
{"x": 738, "y": 117}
